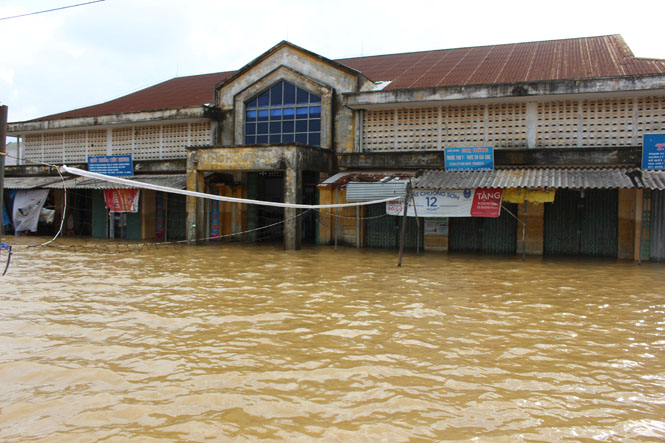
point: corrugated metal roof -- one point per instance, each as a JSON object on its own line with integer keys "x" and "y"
{"x": 653, "y": 180}
{"x": 29, "y": 182}
{"x": 576, "y": 58}
{"x": 176, "y": 181}
{"x": 527, "y": 178}
{"x": 342, "y": 178}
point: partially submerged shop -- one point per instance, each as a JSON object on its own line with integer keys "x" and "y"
{"x": 96, "y": 208}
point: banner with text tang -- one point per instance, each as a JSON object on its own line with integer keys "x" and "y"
{"x": 480, "y": 202}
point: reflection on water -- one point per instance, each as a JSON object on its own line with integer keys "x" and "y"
{"x": 245, "y": 342}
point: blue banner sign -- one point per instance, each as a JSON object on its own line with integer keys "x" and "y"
{"x": 653, "y": 151}
{"x": 470, "y": 159}
{"x": 113, "y": 165}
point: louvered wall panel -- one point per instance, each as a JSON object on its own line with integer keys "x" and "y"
{"x": 650, "y": 115}
{"x": 75, "y": 147}
{"x": 122, "y": 141}
{"x": 557, "y": 124}
{"x": 146, "y": 142}
{"x": 97, "y": 142}
{"x": 174, "y": 139}
{"x": 606, "y": 123}
{"x": 53, "y": 147}
{"x": 379, "y": 130}
{"x": 506, "y": 125}
{"x": 32, "y": 148}
{"x": 201, "y": 134}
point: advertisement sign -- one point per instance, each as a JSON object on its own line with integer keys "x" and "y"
{"x": 122, "y": 200}
{"x": 653, "y": 151}
{"x": 470, "y": 159}
{"x": 113, "y": 165}
{"x": 480, "y": 202}
{"x": 214, "y": 215}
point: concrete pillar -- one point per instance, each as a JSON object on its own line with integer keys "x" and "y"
{"x": 194, "y": 206}
{"x": 292, "y": 194}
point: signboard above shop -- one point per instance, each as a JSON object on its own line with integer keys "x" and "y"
{"x": 653, "y": 151}
{"x": 113, "y": 165}
{"x": 470, "y": 159}
{"x": 480, "y": 202}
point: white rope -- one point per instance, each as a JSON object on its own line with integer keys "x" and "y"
{"x": 138, "y": 184}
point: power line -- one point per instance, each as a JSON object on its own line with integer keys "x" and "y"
{"x": 51, "y": 10}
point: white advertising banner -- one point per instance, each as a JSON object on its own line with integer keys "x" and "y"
{"x": 27, "y": 207}
{"x": 481, "y": 202}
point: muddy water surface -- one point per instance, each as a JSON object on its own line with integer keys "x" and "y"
{"x": 238, "y": 343}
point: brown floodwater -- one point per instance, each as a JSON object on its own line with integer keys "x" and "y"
{"x": 237, "y": 343}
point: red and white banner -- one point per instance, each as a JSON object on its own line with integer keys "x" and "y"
{"x": 480, "y": 202}
{"x": 122, "y": 200}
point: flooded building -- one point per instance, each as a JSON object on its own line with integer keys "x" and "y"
{"x": 565, "y": 120}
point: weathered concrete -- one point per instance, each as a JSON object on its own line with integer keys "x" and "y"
{"x": 293, "y": 159}
{"x": 570, "y": 157}
{"x": 167, "y": 115}
{"x": 651, "y": 84}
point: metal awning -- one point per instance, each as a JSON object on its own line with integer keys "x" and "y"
{"x": 176, "y": 181}
{"x": 29, "y": 182}
{"x": 538, "y": 178}
{"x": 370, "y": 185}
{"x": 652, "y": 179}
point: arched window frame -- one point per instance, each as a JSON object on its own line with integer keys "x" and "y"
{"x": 283, "y": 113}
{"x": 284, "y": 74}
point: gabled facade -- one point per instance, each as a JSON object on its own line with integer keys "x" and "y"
{"x": 281, "y": 127}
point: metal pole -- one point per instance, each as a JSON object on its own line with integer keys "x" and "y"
{"x": 336, "y": 215}
{"x": 357, "y": 226}
{"x": 639, "y": 260}
{"x": 524, "y": 234}
{"x": 415, "y": 212}
{"x": 3, "y": 153}
{"x": 401, "y": 239}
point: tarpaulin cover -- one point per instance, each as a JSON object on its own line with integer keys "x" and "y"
{"x": 520, "y": 195}
{"x": 27, "y": 207}
{"x": 122, "y": 200}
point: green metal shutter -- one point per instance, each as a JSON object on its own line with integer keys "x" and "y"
{"x": 582, "y": 224}
{"x": 134, "y": 226}
{"x": 380, "y": 232}
{"x": 657, "y": 234}
{"x": 384, "y": 232}
{"x": 484, "y": 234}
{"x": 176, "y": 217}
{"x": 500, "y": 234}
{"x": 99, "y": 214}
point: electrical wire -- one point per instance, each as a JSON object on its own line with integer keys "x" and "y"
{"x": 50, "y": 10}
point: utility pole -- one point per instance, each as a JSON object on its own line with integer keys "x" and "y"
{"x": 3, "y": 153}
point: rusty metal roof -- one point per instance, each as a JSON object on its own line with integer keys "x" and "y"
{"x": 529, "y": 178}
{"x": 577, "y": 58}
{"x": 179, "y": 92}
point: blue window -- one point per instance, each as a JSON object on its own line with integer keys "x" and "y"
{"x": 284, "y": 113}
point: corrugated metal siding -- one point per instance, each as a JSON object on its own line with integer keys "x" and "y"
{"x": 367, "y": 191}
{"x": 526, "y": 178}
{"x": 576, "y": 225}
{"x": 99, "y": 214}
{"x": 657, "y": 234}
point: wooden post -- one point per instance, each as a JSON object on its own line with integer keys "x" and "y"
{"x": 3, "y": 153}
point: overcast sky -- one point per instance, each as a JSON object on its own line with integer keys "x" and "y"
{"x": 81, "y": 56}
